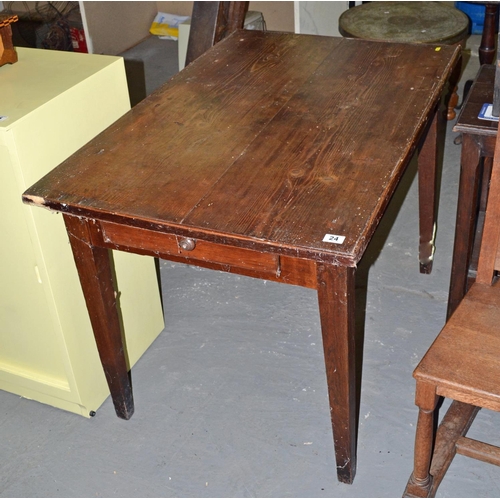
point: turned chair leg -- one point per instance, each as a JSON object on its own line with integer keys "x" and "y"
{"x": 420, "y": 482}
{"x": 420, "y": 476}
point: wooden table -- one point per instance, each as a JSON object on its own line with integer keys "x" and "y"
{"x": 273, "y": 155}
{"x": 478, "y": 142}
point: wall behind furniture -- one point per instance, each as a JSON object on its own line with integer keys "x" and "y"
{"x": 278, "y": 15}
{"x": 110, "y": 27}
{"x": 319, "y": 18}
{"x": 114, "y": 27}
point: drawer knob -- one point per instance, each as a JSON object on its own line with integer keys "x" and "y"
{"x": 187, "y": 244}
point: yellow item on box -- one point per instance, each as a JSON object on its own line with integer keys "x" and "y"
{"x": 167, "y": 25}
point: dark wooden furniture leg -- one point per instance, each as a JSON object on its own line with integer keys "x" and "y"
{"x": 337, "y": 306}
{"x": 487, "y": 49}
{"x": 211, "y": 22}
{"x": 96, "y": 277}
{"x": 466, "y": 217}
{"x": 427, "y": 171}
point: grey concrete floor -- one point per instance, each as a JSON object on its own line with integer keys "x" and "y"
{"x": 231, "y": 399}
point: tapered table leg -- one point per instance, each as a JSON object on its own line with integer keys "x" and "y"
{"x": 427, "y": 171}
{"x": 466, "y": 217}
{"x": 487, "y": 49}
{"x": 337, "y": 306}
{"x": 94, "y": 269}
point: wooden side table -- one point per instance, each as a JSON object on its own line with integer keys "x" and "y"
{"x": 478, "y": 143}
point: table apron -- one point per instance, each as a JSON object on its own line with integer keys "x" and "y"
{"x": 244, "y": 261}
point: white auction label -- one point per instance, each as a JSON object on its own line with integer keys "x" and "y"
{"x": 334, "y": 238}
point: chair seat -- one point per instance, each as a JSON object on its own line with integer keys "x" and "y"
{"x": 463, "y": 360}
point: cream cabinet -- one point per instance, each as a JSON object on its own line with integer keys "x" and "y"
{"x": 51, "y": 104}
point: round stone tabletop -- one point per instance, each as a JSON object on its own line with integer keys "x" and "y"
{"x": 418, "y": 22}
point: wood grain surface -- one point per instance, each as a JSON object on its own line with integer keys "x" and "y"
{"x": 269, "y": 140}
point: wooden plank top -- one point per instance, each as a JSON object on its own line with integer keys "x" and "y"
{"x": 480, "y": 93}
{"x": 268, "y": 141}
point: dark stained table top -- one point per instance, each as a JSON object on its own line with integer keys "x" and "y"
{"x": 268, "y": 141}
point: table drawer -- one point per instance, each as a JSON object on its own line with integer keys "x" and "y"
{"x": 164, "y": 244}
{"x": 228, "y": 258}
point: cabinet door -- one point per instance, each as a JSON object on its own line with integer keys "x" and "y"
{"x": 47, "y": 348}
{"x": 29, "y": 346}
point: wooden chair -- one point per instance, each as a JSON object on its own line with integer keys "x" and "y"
{"x": 211, "y": 22}
{"x": 463, "y": 364}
